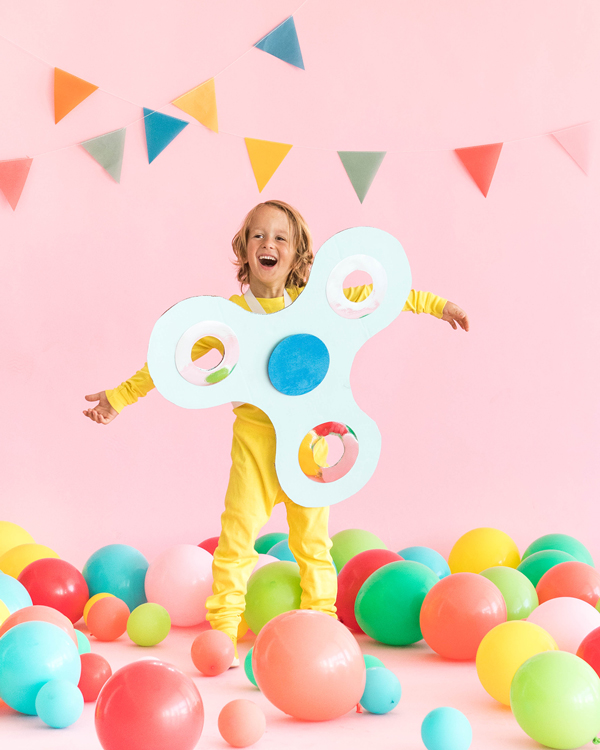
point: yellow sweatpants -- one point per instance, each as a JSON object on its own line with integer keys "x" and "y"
{"x": 252, "y": 493}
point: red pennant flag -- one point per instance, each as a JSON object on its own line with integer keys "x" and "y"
{"x": 13, "y": 175}
{"x": 577, "y": 142}
{"x": 480, "y": 162}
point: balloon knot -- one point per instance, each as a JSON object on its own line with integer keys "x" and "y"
{"x": 360, "y": 711}
{"x": 596, "y": 740}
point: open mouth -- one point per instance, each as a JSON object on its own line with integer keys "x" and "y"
{"x": 267, "y": 260}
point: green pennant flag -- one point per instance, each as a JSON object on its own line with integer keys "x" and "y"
{"x": 107, "y": 150}
{"x": 361, "y": 167}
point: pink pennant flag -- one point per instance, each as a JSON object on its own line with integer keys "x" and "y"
{"x": 13, "y": 175}
{"x": 577, "y": 142}
{"x": 480, "y": 162}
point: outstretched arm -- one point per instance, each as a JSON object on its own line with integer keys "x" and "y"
{"x": 454, "y": 315}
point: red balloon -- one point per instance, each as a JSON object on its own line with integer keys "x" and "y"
{"x": 589, "y": 650}
{"x": 58, "y": 584}
{"x": 573, "y": 578}
{"x": 210, "y": 545}
{"x": 95, "y": 671}
{"x": 352, "y": 576}
{"x": 149, "y": 705}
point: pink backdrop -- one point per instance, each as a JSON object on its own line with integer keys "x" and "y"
{"x": 498, "y": 427}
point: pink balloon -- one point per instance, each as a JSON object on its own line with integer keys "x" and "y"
{"x": 40, "y": 613}
{"x": 180, "y": 580}
{"x": 309, "y": 665}
{"x": 264, "y": 560}
{"x": 567, "y": 619}
{"x": 241, "y": 723}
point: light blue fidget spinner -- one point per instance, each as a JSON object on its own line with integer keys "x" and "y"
{"x": 294, "y": 364}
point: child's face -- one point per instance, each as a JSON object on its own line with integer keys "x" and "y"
{"x": 270, "y": 247}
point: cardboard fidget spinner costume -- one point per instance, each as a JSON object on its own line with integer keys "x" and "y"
{"x": 294, "y": 364}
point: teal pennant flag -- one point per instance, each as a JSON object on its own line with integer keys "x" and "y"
{"x": 283, "y": 43}
{"x": 361, "y": 167}
{"x": 160, "y": 131}
{"x": 107, "y": 150}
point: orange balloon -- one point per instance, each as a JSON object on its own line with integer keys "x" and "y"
{"x": 40, "y": 613}
{"x": 575, "y": 579}
{"x": 242, "y": 628}
{"x": 90, "y": 604}
{"x": 212, "y": 652}
{"x": 107, "y": 618}
{"x": 241, "y": 723}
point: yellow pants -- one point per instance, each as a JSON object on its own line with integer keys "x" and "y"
{"x": 252, "y": 493}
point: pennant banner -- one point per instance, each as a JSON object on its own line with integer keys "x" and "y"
{"x": 283, "y": 43}
{"x": 160, "y": 131}
{"x": 69, "y": 91}
{"x": 265, "y": 157}
{"x": 201, "y": 103}
{"x": 480, "y": 162}
{"x": 361, "y": 167}
{"x": 577, "y": 142}
{"x": 13, "y": 175}
{"x": 107, "y": 150}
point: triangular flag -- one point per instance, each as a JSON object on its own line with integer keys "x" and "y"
{"x": 201, "y": 103}
{"x": 13, "y": 175}
{"x": 107, "y": 150}
{"x": 577, "y": 142}
{"x": 265, "y": 157}
{"x": 480, "y": 162}
{"x": 160, "y": 131}
{"x": 361, "y": 167}
{"x": 69, "y": 91}
{"x": 283, "y": 43}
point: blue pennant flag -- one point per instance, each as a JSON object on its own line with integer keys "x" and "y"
{"x": 160, "y": 131}
{"x": 283, "y": 43}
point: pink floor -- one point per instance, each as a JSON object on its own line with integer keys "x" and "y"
{"x": 427, "y": 682}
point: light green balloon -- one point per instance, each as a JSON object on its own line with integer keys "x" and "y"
{"x": 517, "y": 590}
{"x": 562, "y": 542}
{"x": 555, "y": 698}
{"x": 351, "y": 542}
{"x": 83, "y": 645}
{"x": 148, "y": 624}
{"x": 272, "y": 590}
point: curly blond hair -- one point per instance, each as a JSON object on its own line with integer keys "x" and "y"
{"x": 301, "y": 238}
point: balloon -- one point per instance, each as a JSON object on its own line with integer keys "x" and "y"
{"x": 561, "y": 542}
{"x": 4, "y": 611}
{"x": 149, "y": 705}
{"x": 59, "y": 703}
{"x": 568, "y": 621}
{"x": 90, "y": 603}
{"x": 517, "y": 590}
{"x": 538, "y": 563}
{"x": 282, "y": 551}
{"x": 389, "y": 602}
{"x": 575, "y": 579}
{"x": 427, "y": 556}
{"x": 272, "y": 590}
{"x": 503, "y": 650}
{"x": 210, "y": 544}
{"x": 446, "y": 728}
{"x": 355, "y": 573}
{"x": 248, "y": 667}
{"x": 83, "y": 644}
{"x": 372, "y": 661}
{"x": 95, "y": 671}
{"x": 212, "y": 652}
{"x": 17, "y": 558}
{"x": 180, "y": 579}
{"x": 148, "y": 624}
{"x": 119, "y": 570}
{"x": 13, "y": 593}
{"x": 107, "y": 619}
{"x": 241, "y": 723}
{"x": 382, "y": 691}
{"x": 242, "y": 628}
{"x": 32, "y": 654}
{"x": 589, "y": 650}
{"x": 12, "y": 535}
{"x": 40, "y": 613}
{"x": 264, "y": 560}
{"x": 555, "y": 698}
{"x": 458, "y": 611}
{"x": 58, "y": 584}
{"x": 350, "y": 542}
{"x": 483, "y": 548}
{"x": 321, "y": 660}
{"x": 264, "y": 543}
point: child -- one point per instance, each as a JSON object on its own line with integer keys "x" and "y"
{"x": 273, "y": 252}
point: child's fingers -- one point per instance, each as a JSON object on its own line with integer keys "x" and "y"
{"x": 92, "y": 397}
{"x": 452, "y": 323}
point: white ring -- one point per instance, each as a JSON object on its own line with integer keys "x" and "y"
{"x": 338, "y": 301}
{"x": 183, "y": 352}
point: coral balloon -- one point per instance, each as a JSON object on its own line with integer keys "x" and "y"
{"x": 483, "y": 548}
{"x": 568, "y": 621}
{"x": 457, "y": 613}
{"x": 40, "y": 613}
{"x": 575, "y": 579}
{"x": 323, "y": 664}
{"x": 90, "y": 603}
{"x": 149, "y": 705}
{"x": 212, "y": 652}
{"x": 17, "y": 558}
{"x": 589, "y": 650}
{"x": 12, "y": 535}
{"x": 241, "y": 723}
{"x": 57, "y": 584}
{"x": 107, "y": 619}
{"x": 95, "y": 671}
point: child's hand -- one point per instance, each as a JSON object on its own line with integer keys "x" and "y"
{"x": 102, "y": 413}
{"x": 453, "y": 314}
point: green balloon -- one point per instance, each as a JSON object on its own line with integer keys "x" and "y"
{"x": 83, "y": 645}
{"x": 248, "y": 667}
{"x": 555, "y": 698}
{"x": 517, "y": 590}
{"x": 351, "y": 542}
{"x": 372, "y": 661}
{"x": 389, "y": 602}
{"x": 272, "y": 590}
{"x": 539, "y": 563}
{"x": 148, "y": 624}
{"x": 562, "y": 542}
{"x": 264, "y": 543}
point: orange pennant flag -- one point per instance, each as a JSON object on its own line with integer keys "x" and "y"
{"x": 480, "y": 162}
{"x": 201, "y": 103}
{"x": 265, "y": 157}
{"x": 69, "y": 91}
{"x": 13, "y": 175}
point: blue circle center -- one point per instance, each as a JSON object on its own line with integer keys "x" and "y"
{"x": 298, "y": 364}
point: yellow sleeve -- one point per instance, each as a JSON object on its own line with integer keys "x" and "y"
{"x": 417, "y": 302}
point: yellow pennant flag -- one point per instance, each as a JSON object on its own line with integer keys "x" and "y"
{"x": 69, "y": 91}
{"x": 201, "y": 103}
{"x": 265, "y": 157}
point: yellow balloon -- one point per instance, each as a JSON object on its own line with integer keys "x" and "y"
{"x": 503, "y": 650}
{"x": 18, "y": 558}
{"x": 242, "y": 628}
{"x": 12, "y": 535}
{"x": 92, "y": 601}
{"x": 4, "y": 611}
{"x": 479, "y": 549}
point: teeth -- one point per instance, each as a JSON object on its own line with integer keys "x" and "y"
{"x": 267, "y": 257}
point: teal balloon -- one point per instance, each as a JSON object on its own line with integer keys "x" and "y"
{"x": 555, "y": 698}
{"x": 372, "y": 661}
{"x": 518, "y": 592}
{"x": 562, "y": 542}
{"x": 264, "y": 543}
{"x": 282, "y": 551}
{"x": 31, "y": 654}
{"x": 429, "y": 557}
{"x": 119, "y": 570}
{"x": 13, "y": 593}
{"x": 382, "y": 691}
{"x": 272, "y": 590}
{"x": 539, "y": 563}
{"x": 248, "y": 667}
{"x": 59, "y": 703}
{"x": 446, "y": 728}
{"x": 83, "y": 644}
{"x": 389, "y": 602}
